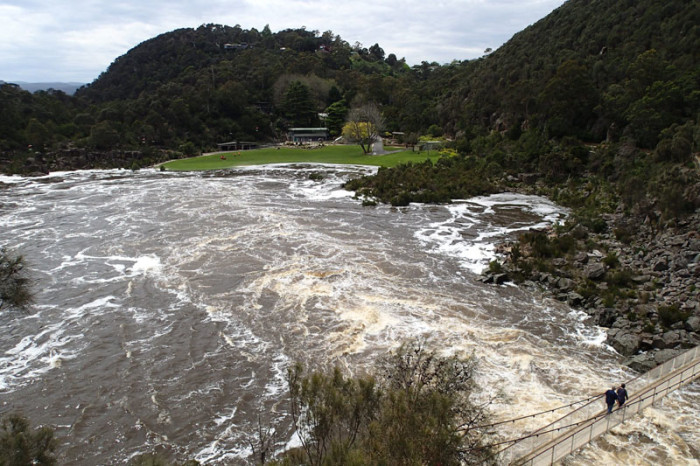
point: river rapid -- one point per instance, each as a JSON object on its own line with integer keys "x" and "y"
{"x": 170, "y": 305}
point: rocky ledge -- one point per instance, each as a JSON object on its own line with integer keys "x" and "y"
{"x": 637, "y": 280}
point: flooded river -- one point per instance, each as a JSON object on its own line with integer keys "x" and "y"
{"x": 169, "y": 306}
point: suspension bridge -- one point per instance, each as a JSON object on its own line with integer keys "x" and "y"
{"x": 579, "y": 427}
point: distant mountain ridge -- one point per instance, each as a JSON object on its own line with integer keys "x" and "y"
{"x": 67, "y": 87}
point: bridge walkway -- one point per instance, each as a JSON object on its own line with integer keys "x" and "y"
{"x": 562, "y": 437}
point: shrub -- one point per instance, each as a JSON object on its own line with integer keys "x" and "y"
{"x": 669, "y": 315}
{"x": 188, "y": 149}
{"x": 417, "y": 410}
{"x": 495, "y": 267}
{"x": 649, "y": 327}
{"x": 611, "y": 260}
{"x": 14, "y": 282}
{"x": 544, "y": 247}
{"x": 620, "y": 278}
{"x": 19, "y": 445}
{"x": 587, "y": 289}
{"x": 624, "y": 234}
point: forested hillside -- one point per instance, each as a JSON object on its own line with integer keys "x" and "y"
{"x": 590, "y": 69}
{"x": 590, "y": 72}
{"x": 607, "y": 89}
{"x": 189, "y": 89}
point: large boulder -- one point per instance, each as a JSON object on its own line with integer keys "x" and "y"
{"x": 594, "y": 271}
{"x": 664, "y": 355}
{"x": 693, "y": 324}
{"x": 671, "y": 339}
{"x": 574, "y": 299}
{"x": 642, "y": 362}
{"x": 624, "y": 342}
{"x": 647, "y": 361}
{"x": 661, "y": 265}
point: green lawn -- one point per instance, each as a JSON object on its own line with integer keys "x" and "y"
{"x": 341, "y": 154}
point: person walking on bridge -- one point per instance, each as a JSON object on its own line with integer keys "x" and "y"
{"x": 621, "y": 395}
{"x": 611, "y": 398}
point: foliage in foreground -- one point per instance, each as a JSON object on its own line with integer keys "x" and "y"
{"x": 419, "y": 409}
{"x": 20, "y": 446}
{"x": 14, "y": 283}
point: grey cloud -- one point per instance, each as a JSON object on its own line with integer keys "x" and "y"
{"x": 77, "y": 40}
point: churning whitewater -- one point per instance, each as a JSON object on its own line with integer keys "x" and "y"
{"x": 169, "y": 307}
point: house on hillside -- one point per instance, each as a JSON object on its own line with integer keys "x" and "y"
{"x": 241, "y": 46}
{"x": 307, "y": 134}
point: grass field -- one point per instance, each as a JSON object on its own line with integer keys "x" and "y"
{"x": 340, "y": 154}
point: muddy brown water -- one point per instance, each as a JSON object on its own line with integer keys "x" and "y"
{"x": 169, "y": 306}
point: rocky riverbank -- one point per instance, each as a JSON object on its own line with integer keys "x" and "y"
{"x": 636, "y": 279}
{"x": 39, "y": 163}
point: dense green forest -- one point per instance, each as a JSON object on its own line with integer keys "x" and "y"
{"x": 607, "y": 91}
{"x": 189, "y": 89}
{"x": 591, "y": 71}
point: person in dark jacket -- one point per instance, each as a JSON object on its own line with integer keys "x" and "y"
{"x": 610, "y": 398}
{"x": 621, "y": 395}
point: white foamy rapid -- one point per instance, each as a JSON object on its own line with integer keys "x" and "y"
{"x": 169, "y": 307}
{"x": 470, "y": 233}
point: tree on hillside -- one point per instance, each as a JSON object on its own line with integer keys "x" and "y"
{"x": 364, "y": 125}
{"x": 298, "y": 106}
{"x": 376, "y": 53}
{"x": 336, "y": 117}
{"x": 103, "y": 135}
{"x": 14, "y": 283}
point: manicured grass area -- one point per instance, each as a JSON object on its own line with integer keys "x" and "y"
{"x": 336, "y": 154}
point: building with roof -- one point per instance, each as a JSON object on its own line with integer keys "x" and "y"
{"x": 307, "y": 134}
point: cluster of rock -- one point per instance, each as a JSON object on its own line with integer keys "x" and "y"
{"x": 657, "y": 314}
{"x": 79, "y": 159}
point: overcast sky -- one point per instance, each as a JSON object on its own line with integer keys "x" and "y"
{"x": 76, "y": 40}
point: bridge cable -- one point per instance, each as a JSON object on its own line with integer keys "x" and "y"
{"x": 539, "y": 413}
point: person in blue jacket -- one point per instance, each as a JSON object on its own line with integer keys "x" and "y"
{"x": 610, "y": 399}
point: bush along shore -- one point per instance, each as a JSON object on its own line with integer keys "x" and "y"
{"x": 626, "y": 272}
{"x": 42, "y": 163}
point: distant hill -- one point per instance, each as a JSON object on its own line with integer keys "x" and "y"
{"x": 590, "y": 70}
{"x": 219, "y": 83}
{"x": 69, "y": 87}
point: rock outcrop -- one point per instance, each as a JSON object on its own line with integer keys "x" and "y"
{"x": 81, "y": 159}
{"x": 644, "y": 288}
